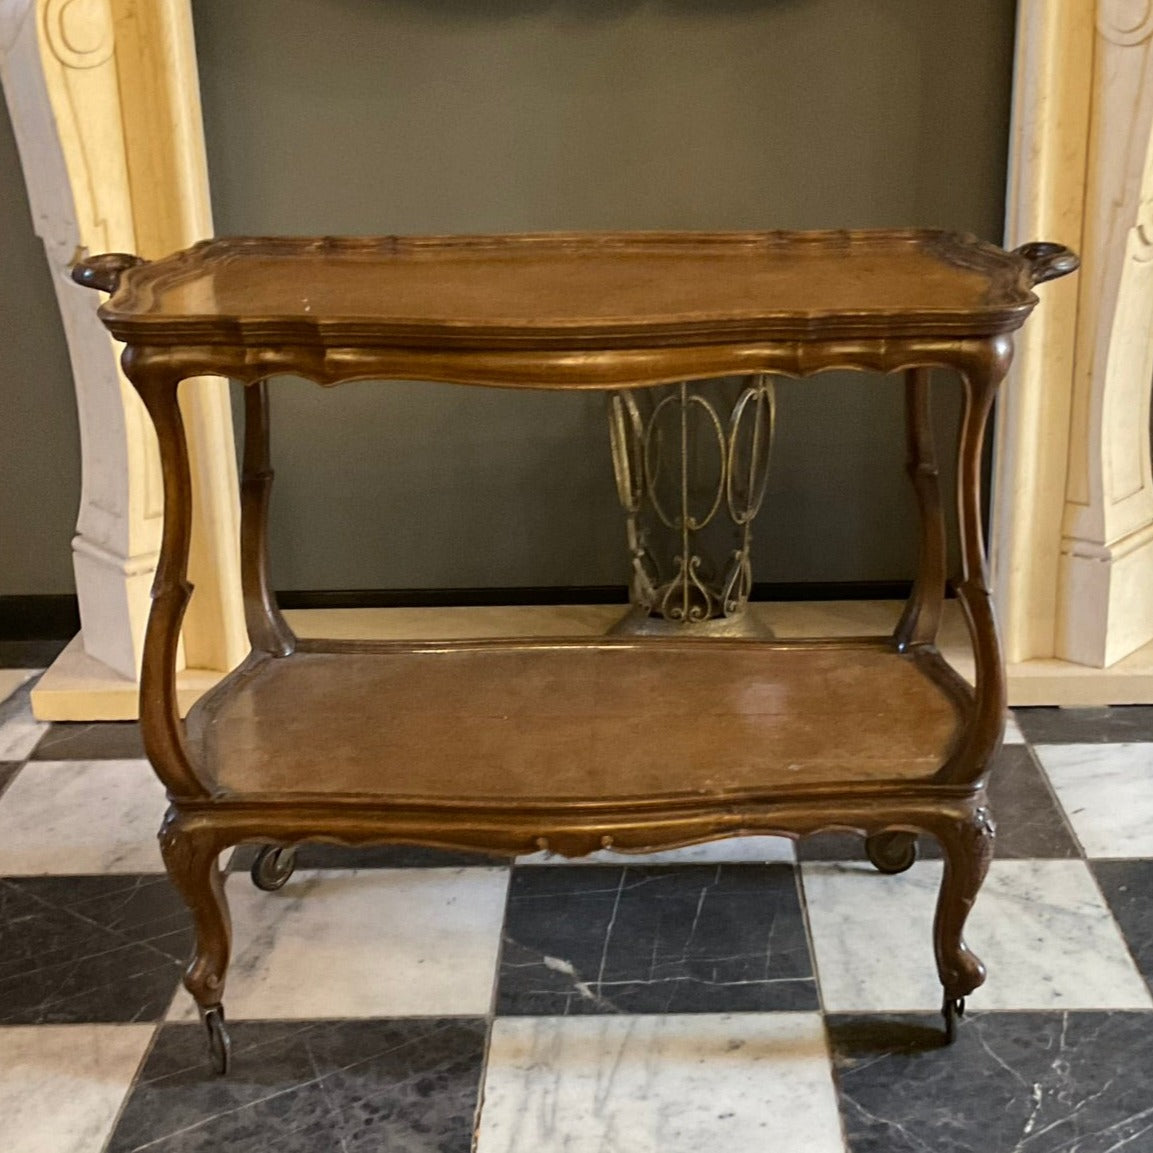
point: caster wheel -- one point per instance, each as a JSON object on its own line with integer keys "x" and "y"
{"x": 219, "y": 1042}
{"x": 891, "y": 852}
{"x": 273, "y": 866}
{"x": 952, "y": 1010}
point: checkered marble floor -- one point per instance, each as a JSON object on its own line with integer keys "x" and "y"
{"x": 739, "y": 995}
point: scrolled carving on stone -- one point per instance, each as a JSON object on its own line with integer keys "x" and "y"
{"x": 80, "y": 33}
{"x": 1125, "y": 22}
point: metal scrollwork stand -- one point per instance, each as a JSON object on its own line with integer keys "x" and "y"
{"x": 691, "y": 479}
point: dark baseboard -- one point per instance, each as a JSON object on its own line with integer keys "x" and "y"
{"x": 571, "y": 595}
{"x": 43, "y": 617}
{"x": 54, "y": 616}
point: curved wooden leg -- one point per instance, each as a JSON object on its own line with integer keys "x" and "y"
{"x": 967, "y": 843}
{"x": 921, "y": 618}
{"x": 191, "y": 858}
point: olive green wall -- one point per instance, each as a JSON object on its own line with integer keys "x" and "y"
{"x": 39, "y": 442}
{"x": 370, "y": 116}
{"x": 378, "y": 116}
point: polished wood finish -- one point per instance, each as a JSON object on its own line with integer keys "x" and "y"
{"x": 267, "y": 629}
{"x": 639, "y": 743}
{"x": 922, "y": 616}
{"x": 547, "y": 724}
{"x": 574, "y": 290}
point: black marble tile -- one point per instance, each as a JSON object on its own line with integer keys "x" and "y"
{"x": 1030, "y": 823}
{"x": 1128, "y": 887}
{"x": 1053, "y": 726}
{"x": 406, "y": 1086}
{"x": 8, "y": 770}
{"x": 89, "y": 949}
{"x": 371, "y": 857}
{"x": 17, "y": 702}
{"x": 1033, "y": 1082}
{"x": 76, "y": 741}
{"x": 29, "y": 654}
{"x": 653, "y": 939}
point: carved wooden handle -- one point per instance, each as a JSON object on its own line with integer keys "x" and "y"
{"x": 104, "y": 271}
{"x": 1048, "y": 261}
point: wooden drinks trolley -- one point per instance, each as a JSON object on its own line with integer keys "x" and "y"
{"x": 638, "y": 743}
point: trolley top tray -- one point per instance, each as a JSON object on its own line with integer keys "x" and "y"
{"x": 571, "y": 290}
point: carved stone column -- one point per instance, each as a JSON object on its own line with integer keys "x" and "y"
{"x": 105, "y": 106}
{"x": 1073, "y": 500}
{"x": 1106, "y": 578}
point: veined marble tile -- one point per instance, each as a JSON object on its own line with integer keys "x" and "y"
{"x": 744, "y": 1083}
{"x": 1041, "y": 927}
{"x": 1013, "y": 734}
{"x": 66, "y": 817}
{"x": 690, "y": 939}
{"x": 98, "y": 741}
{"x": 1012, "y": 1083}
{"x": 371, "y": 943}
{"x": 1113, "y": 724}
{"x": 12, "y": 679}
{"x": 1107, "y": 793}
{"x": 8, "y": 771}
{"x": 20, "y": 731}
{"x": 61, "y": 1085}
{"x": 407, "y": 1086}
{"x": 1128, "y": 887}
{"x": 90, "y": 950}
{"x": 732, "y": 850}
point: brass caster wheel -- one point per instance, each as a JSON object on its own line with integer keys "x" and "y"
{"x": 219, "y": 1042}
{"x": 891, "y": 852}
{"x": 952, "y": 1010}
{"x": 273, "y": 866}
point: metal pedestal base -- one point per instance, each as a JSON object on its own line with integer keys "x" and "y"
{"x": 637, "y": 622}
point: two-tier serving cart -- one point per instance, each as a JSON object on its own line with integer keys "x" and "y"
{"x": 516, "y": 745}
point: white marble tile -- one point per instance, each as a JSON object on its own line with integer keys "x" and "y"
{"x": 12, "y": 679}
{"x": 1041, "y": 927}
{"x": 61, "y": 1086}
{"x": 733, "y": 850}
{"x": 1013, "y": 734}
{"x": 364, "y": 943}
{"x": 744, "y": 1083}
{"x": 1107, "y": 792}
{"x": 81, "y": 817}
{"x": 20, "y": 731}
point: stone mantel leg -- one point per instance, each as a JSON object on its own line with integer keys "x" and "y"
{"x": 1073, "y": 500}
{"x": 105, "y": 106}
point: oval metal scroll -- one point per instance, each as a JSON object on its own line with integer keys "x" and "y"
{"x": 681, "y": 460}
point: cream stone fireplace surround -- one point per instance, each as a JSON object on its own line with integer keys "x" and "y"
{"x": 104, "y": 101}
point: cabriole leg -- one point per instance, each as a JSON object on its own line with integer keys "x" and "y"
{"x": 967, "y": 843}
{"x": 190, "y": 856}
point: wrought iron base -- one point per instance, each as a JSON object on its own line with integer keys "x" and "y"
{"x": 687, "y": 461}
{"x": 639, "y": 622}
